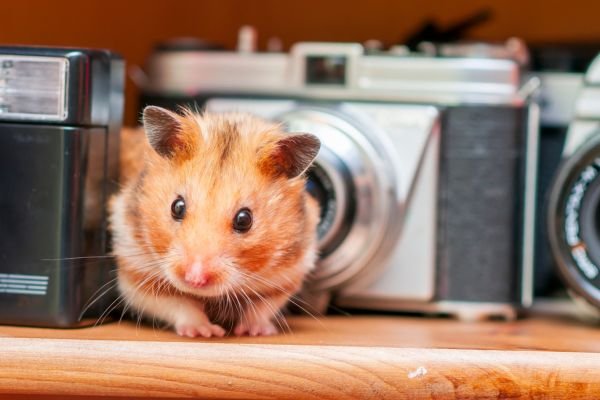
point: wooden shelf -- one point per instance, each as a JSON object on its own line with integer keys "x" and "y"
{"x": 333, "y": 357}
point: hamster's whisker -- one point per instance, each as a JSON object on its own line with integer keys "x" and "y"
{"x": 108, "y": 310}
{"x": 278, "y": 316}
{"x": 142, "y": 312}
{"x": 240, "y": 309}
{"x": 221, "y": 302}
{"x": 155, "y": 292}
{"x": 147, "y": 279}
{"x": 125, "y": 308}
{"x": 231, "y": 292}
{"x": 232, "y": 304}
{"x": 121, "y": 300}
{"x": 96, "y": 297}
{"x": 114, "y": 305}
{"x": 231, "y": 307}
{"x": 163, "y": 285}
{"x": 292, "y": 299}
{"x": 91, "y": 301}
{"x": 152, "y": 264}
{"x": 151, "y": 254}
{"x": 275, "y": 313}
{"x": 249, "y": 303}
{"x": 262, "y": 280}
{"x": 268, "y": 283}
{"x": 138, "y": 322}
{"x": 77, "y": 258}
{"x": 99, "y": 257}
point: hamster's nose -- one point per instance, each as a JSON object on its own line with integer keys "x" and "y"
{"x": 196, "y": 275}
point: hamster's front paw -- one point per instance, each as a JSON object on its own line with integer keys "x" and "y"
{"x": 255, "y": 328}
{"x": 195, "y": 328}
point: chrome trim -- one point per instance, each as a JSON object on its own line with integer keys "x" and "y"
{"x": 586, "y": 121}
{"x": 592, "y": 75}
{"x": 381, "y": 77}
{"x": 557, "y": 96}
{"x": 579, "y": 132}
{"x": 529, "y": 214}
{"x": 56, "y": 85}
{"x": 588, "y": 103}
{"x": 463, "y": 310}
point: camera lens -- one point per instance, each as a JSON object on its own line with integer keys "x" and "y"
{"x": 353, "y": 184}
{"x": 335, "y": 202}
{"x": 574, "y": 221}
{"x": 589, "y": 220}
{"x": 319, "y": 186}
{"x": 320, "y": 192}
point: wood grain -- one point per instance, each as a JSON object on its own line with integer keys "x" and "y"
{"x": 59, "y": 367}
{"x": 333, "y": 358}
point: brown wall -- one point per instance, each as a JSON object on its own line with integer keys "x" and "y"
{"x": 132, "y": 27}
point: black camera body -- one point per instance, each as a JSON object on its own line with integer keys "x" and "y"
{"x": 60, "y": 118}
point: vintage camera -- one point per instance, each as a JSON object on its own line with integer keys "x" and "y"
{"x": 561, "y": 70}
{"x": 60, "y": 117}
{"x": 426, "y": 176}
{"x": 573, "y": 215}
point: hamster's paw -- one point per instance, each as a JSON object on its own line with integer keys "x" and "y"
{"x": 196, "y": 328}
{"x": 255, "y": 328}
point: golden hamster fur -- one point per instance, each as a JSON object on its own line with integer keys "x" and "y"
{"x": 213, "y": 229}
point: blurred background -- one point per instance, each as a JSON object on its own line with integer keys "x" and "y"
{"x": 133, "y": 27}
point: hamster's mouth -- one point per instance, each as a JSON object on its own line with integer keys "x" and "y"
{"x": 212, "y": 282}
{"x": 216, "y": 289}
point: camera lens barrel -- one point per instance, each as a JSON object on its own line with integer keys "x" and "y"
{"x": 574, "y": 221}
{"x": 353, "y": 183}
{"x": 330, "y": 183}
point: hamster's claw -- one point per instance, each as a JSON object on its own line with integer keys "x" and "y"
{"x": 255, "y": 328}
{"x": 194, "y": 330}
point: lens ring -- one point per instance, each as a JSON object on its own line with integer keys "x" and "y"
{"x": 337, "y": 206}
{"x": 572, "y": 201}
{"x": 589, "y": 213}
{"x": 376, "y": 214}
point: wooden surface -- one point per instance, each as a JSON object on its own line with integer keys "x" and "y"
{"x": 333, "y": 358}
{"x": 552, "y": 334}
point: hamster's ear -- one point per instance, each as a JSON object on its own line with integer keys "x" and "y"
{"x": 289, "y": 156}
{"x": 168, "y": 133}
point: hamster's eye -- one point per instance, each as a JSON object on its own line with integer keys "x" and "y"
{"x": 242, "y": 222}
{"x": 178, "y": 209}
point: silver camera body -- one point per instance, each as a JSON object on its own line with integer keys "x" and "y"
{"x": 426, "y": 176}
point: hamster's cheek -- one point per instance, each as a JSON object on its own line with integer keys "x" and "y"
{"x": 252, "y": 252}
{"x": 159, "y": 234}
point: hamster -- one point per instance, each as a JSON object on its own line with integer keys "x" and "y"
{"x": 213, "y": 230}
